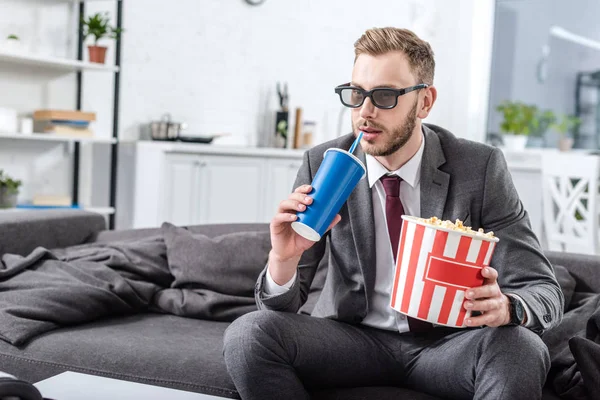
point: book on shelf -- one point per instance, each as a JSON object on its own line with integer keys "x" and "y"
{"x": 66, "y": 130}
{"x": 51, "y": 200}
{"x": 41, "y": 207}
{"x": 63, "y": 115}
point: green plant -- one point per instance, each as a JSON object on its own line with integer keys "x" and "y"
{"x": 12, "y": 37}
{"x": 97, "y": 25}
{"x": 519, "y": 118}
{"x": 11, "y": 185}
{"x": 282, "y": 128}
{"x": 545, "y": 119}
{"x": 567, "y": 124}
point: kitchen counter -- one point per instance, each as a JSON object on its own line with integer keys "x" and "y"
{"x": 200, "y": 148}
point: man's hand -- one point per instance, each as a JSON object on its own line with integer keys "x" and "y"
{"x": 286, "y": 245}
{"x": 489, "y": 300}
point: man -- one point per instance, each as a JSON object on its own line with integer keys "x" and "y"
{"x": 359, "y": 340}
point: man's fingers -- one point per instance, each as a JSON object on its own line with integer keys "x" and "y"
{"x": 489, "y": 273}
{"x": 291, "y": 205}
{"x": 484, "y": 305}
{"x": 303, "y": 189}
{"x": 488, "y": 319}
{"x": 296, "y": 202}
{"x": 282, "y": 218}
{"x": 483, "y": 292}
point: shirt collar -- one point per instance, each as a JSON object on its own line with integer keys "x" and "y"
{"x": 409, "y": 172}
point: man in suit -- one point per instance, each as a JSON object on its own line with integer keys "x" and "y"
{"x": 359, "y": 340}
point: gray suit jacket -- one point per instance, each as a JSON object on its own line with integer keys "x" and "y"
{"x": 459, "y": 179}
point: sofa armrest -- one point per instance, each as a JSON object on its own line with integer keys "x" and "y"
{"x": 23, "y": 231}
{"x": 584, "y": 268}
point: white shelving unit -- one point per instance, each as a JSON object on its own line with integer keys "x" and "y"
{"x": 57, "y": 63}
{"x": 53, "y": 137}
{"x": 76, "y": 66}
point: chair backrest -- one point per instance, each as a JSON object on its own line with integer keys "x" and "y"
{"x": 570, "y": 201}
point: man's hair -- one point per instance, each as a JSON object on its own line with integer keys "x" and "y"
{"x": 378, "y": 41}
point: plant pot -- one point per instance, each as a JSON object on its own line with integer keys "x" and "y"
{"x": 97, "y": 54}
{"x": 514, "y": 142}
{"x": 565, "y": 143}
{"x": 12, "y": 45}
{"x": 8, "y": 198}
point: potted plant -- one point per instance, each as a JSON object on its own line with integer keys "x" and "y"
{"x": 13, "y": 43}
{"x": 9, "y": 190}
{"x": 540, "y": 125}
{"x": 98, "y": 26}
{"x": 519, "y": 121}
{"x": 565, "y": 129}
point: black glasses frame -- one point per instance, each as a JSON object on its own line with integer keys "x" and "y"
{"x": 369, "y": 94}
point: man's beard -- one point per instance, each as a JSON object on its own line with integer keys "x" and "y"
{"x": 399, "y": 137}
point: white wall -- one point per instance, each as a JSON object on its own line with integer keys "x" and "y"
{"x": 218, "y": 72}
{"x": 214, "y": 64}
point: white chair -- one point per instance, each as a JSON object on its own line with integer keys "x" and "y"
{"x": 570, "y": 201}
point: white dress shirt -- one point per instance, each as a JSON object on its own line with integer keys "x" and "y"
{"x": 380, "y": 314}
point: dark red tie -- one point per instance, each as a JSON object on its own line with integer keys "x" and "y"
{"x": 394, "y": 211}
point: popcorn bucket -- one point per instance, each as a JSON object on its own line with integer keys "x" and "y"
{"x": 435, "y": 266}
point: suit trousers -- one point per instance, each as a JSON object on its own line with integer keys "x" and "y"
{"x": 280, "y": 355}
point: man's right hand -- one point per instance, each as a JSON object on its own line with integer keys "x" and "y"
{"x": 287, "y": 245}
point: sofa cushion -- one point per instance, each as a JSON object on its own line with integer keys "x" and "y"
{"x": 228, "y": 264}
{"x": 214, "y": 277}
{"x": 156, "y": 349}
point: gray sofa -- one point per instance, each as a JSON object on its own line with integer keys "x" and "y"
{"x": 159, "y": 349}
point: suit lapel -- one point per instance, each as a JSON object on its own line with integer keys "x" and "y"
{"x": 362, "y": 224}
{"x": 434, "y": 183}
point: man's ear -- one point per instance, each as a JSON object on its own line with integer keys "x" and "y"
{"x": 427, "y": 102}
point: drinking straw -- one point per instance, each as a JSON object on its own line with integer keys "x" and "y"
{"x": 356, "y": 141}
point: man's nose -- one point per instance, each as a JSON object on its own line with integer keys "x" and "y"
{"x": 368, "y": 110}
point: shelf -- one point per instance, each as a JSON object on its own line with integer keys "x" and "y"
{"x": 53, "y": 62}
{"x": 99, "y": 210}
{"x": 53, "y": 137}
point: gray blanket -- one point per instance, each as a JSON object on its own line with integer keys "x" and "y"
{"x": 575, "y": 349}
{"x": 49, "y": 289}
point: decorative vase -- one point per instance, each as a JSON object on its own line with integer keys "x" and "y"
{"x": 565, "y": 143}
{"x": 514, "y": 142}
{"x": 97, "y": 54}
{"x": 8, "y": 198}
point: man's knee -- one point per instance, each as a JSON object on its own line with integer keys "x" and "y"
{"x": 521, "y": 342}
{"x": 247, "y": 331}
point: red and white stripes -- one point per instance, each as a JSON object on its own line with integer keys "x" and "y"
{"x": 433, "y": 271}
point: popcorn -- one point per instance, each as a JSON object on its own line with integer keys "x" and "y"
{"x": 456, "y": 226}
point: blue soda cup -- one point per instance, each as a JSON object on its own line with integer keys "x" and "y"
{"x": 336, "y": 178}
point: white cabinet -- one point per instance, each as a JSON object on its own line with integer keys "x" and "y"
{"x": 282, "y": 175}
{"x": 212, "y": 189}
{"x": 231, "y": 189}
{"x": 182, "y": 190}
{"x": 190, "y": 184}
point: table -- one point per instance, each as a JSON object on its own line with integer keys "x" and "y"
{"x": 76, "y": 386}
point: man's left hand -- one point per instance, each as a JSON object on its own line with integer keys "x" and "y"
{"x": 489, "y": 300}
